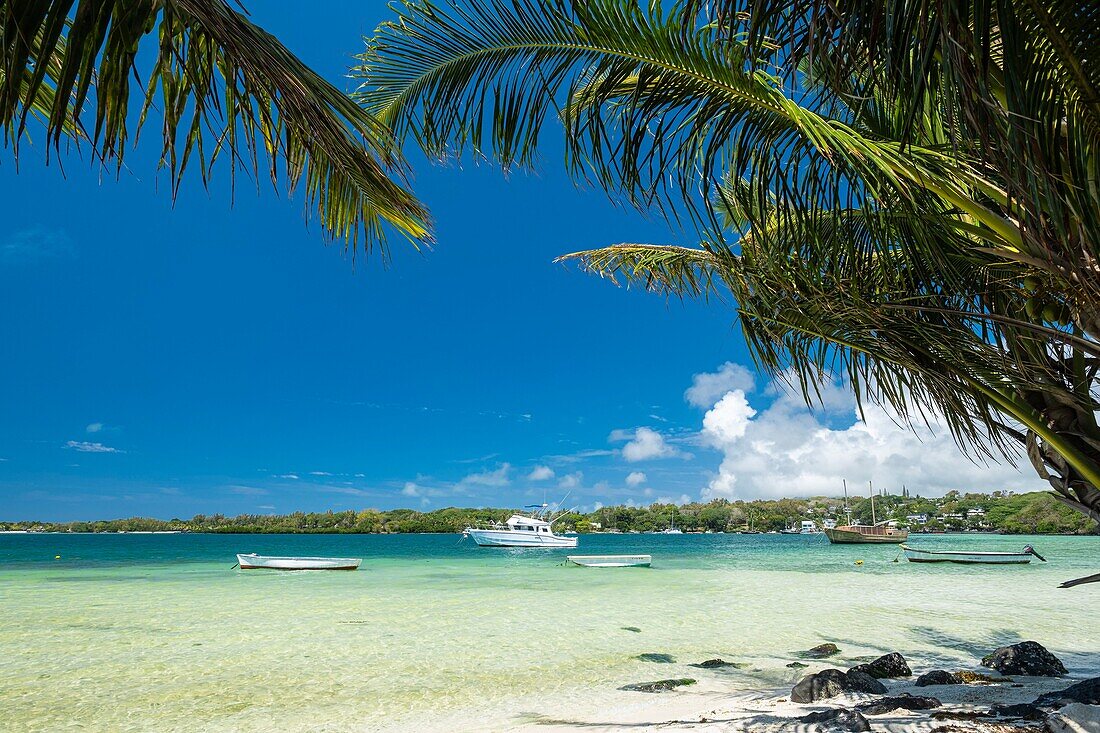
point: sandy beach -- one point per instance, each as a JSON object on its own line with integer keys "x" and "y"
{"x": 710, "y": 707}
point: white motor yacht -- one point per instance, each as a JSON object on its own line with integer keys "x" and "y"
{"x": 519, "y": 531}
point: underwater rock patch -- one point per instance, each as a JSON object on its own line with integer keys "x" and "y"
{"x": 658, "y": 685}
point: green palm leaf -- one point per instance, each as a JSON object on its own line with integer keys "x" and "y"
{"x": 222, "y": 87}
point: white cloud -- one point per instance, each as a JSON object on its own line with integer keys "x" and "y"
{"x": 86, "y": 447}
{"x": 410, "y": 489}
{"x": 293, "y": 476}
{"x": 540, "y": 473}
{"x": 570, "y": 481}
{"x": 635, "y": 478}
{"x": 247, "y": 490}
{"x": 647, "y": 444}
{"x": 785, "y": 450}
{"x": 709, "y": 387}
{"x": 728, "y": 420}
{"x": 319, "y": 473}
{"x": 684, "y": 499}
{"x": 94, "y": 427}
{"x": 499, "y": 477}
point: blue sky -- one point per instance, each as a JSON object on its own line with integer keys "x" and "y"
{"x": 165, "y": 360}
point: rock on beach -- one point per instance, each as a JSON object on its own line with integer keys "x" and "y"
{"x": 1026, "y": 658}
{"x": 832, "y": 682}
{"x": 888, "y": 666}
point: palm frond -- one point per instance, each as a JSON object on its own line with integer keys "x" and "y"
{"x": 657, "y": 107}
{"x": 221, "y": 86}
{"x": 663, "y": 269}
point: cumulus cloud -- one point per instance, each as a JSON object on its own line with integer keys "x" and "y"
{"x": 499, "y": 477}
{"x": 94, "y": 427}
{"x": 84, "y": 446}
{"x": 684, "y": 499}
{"x": 645, "y": 444}
{"x": 635, "y": 478}
{"x": 709, "y": 387}
{"x": 571, "y": 480}
{"x": 410, "y": 489}
{"x": 784, "y": 449}
{"x": 540, "y": 473}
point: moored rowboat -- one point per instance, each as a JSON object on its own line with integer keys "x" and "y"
{"x": 252, "y": 561}
{"x": 913, "y": 554}
{"x": 612, "y": 561}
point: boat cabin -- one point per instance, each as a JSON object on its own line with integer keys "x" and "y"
{"x": 519, "y": 523}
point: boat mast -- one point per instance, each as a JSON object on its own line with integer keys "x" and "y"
{"x": 871, "y": 489}
{"x": 847, "y": 509}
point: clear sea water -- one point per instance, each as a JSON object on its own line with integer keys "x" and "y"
{"x": 156, "y": 632}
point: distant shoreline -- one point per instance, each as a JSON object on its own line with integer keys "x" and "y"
{"x": 1000, "y": 512}
{"x": 53, "y": 532}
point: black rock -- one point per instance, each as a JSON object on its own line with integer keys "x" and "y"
{"x": 657, "y": 658}
{"x": 658, "y": 686}
{"x": 832, "y": 682}
{"x": 821, "y": 651}
{"x": 937, "y": 677}
{"x": 1027, "y": 657}
{"x": 863, "y": 682}
{"x": 715, "y": 664}
{"x": 797, "y": 665}
{"x": 838, "y": 719}
{"x": 959, "y": 715}
{"x": 904, "y": 701}
{"x": 887, "y": 666}
{"x": 821, "y": 686}
{"x": 1022, "y": 711}
{"x": 1086, "y": 691}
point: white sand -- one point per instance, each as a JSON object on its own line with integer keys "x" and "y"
{"x": 711, "y": 706}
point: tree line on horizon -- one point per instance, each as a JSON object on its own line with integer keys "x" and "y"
{"x": 1032, "y": 513}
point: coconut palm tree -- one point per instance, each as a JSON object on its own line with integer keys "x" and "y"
{"x": 91, "y": 75}
{"x": 914, "y": 208}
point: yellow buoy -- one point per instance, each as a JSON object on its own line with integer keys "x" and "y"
{"x": 859, "y": 562}
{"x": 57, "y": 557}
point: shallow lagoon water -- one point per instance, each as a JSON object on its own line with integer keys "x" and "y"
{"x": 156, "y": 632}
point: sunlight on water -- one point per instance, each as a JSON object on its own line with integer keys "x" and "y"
{"x": 143, "y": 633}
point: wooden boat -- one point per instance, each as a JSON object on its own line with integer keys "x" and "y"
{"x": 612, "y": 561}
{"x": 253, "y": 561}
{"x": 866, "y": 534}
{"x": 913, "y": 554}
{"x": 876, "y": 533}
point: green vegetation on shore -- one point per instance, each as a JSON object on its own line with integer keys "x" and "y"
{"x": 1034, "y": 513}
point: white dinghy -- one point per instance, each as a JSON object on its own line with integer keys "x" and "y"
{"x": 253, "y": 561}
{"x": 912, "y": 554}
{"x": 612, "y": 561}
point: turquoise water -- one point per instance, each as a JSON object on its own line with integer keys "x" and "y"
{"x": 157, "y": 633}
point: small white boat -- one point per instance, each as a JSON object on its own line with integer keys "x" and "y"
{"x": 519, "y": 531}
{"x": 612, "y": 561}
{"x": 253, "y": 561}
{"x": 913, "y": 554}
